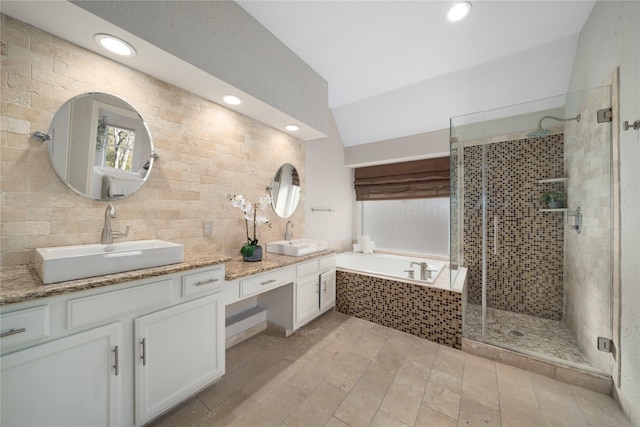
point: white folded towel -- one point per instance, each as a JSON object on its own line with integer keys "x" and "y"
{"x": 367, "y": 246}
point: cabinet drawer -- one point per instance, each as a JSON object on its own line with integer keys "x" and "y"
{"x": 24, "y": 325}
{"x": 327, "y": 262}
{"x": 307, "y": 268}
{"x": 203, "y": 282}
{"x": 84, "y": 311}
{"x": 264, "y": 282}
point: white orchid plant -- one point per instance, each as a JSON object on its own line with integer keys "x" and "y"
{"x": 251, "y": 217}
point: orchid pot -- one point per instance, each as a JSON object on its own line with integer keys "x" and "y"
{"x": 251, "y": 251}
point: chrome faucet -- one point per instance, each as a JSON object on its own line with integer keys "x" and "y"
{"x": 288, "y": 234}
{"x": 107, "y": 234}
{"x": 425, "y": 272}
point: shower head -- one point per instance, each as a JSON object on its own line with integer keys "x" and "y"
{"x": 544, "y": 132}
{"x": 539, "y": 132}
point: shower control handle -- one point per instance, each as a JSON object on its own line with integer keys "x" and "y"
{"x": 635, "y": 125}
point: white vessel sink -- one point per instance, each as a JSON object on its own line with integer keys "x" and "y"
{"x": 297, "y": 247}
{"x": 62, "y": 263}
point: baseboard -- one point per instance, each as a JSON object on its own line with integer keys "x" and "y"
{"x": 277, "y": 330}
{"x": 244, "y": 325}
{"x": 244, "y": 335}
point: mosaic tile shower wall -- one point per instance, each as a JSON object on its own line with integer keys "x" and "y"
{"x": 430, "y": 313}
{"x": 525, "y": 273}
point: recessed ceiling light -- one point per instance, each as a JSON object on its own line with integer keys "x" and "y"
{"x": 115, "y": 45}
{"x": 292, "y": 128}
{"x": 458, "y": 11}
{"x": 231, "y": 100}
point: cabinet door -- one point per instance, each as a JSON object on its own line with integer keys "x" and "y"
{"x": 307, "y": 299}
{"x": 179, "y": 350}
{"x": 327, "y": 290}
{"x": 72, "y": 381}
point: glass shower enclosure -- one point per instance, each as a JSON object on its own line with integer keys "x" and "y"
{"x": 531, "y": 220}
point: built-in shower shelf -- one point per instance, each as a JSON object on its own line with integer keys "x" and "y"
{"x": 554, "y": 210}
{"x": 543, "y": 181}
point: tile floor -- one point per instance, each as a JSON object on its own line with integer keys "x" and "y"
{"x": 344, "y": 371}
{"x": 540, "y": 336}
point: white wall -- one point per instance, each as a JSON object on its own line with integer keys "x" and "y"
{"x": 329, "y": 185}
{"x": 403, "y": 149}
{"x": 610, "y": 39}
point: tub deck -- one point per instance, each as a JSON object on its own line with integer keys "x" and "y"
{"x": 392, "y": 265}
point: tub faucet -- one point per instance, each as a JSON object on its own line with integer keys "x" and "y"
{"x": 424, "y": 270}
{"x": 107, "y": 234}
{"x": 288, "y": 234}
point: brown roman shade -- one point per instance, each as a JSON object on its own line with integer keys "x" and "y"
{"x": 418, "y": 179}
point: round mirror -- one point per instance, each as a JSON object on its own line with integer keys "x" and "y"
{"x": 285, "y": 191}
{"x": 100, "y": 146}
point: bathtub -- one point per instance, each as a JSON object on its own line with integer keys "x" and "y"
{"x": 376, "y": 288}
{"x": 392, "y": 266}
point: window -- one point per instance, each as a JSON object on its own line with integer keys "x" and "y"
{"x": 411, "y": 225}
{"x": 116, "y": 144}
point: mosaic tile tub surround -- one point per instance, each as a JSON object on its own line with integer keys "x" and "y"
{"x": 525, "y": 273}
{"x": 426, "y": 312}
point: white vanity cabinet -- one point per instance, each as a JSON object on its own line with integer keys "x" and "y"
{"x": 315, "y": 288}
{"x": 177, "y": 353}
{"x": 123, "y": 354}
{"x": 80, "y": 361}
{"x": 71, "y": 381}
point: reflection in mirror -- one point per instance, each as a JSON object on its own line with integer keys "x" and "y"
{"x": 285, "y": 191}
{"x": 100, "y": 146}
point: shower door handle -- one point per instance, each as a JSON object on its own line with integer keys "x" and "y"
{"x": 495, "y": 235}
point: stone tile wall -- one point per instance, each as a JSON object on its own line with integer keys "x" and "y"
{"x": 430, "y": 313}
{"x": 588, "y": 255}
{"x": 525, "y": 273}
{"x": 205, "y": 152}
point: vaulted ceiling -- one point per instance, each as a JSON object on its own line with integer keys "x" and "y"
{"x": 397, "y": 68}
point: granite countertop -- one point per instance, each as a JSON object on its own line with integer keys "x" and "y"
{"x": 22, "y": 283}
{"x": 236, "y": 268}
